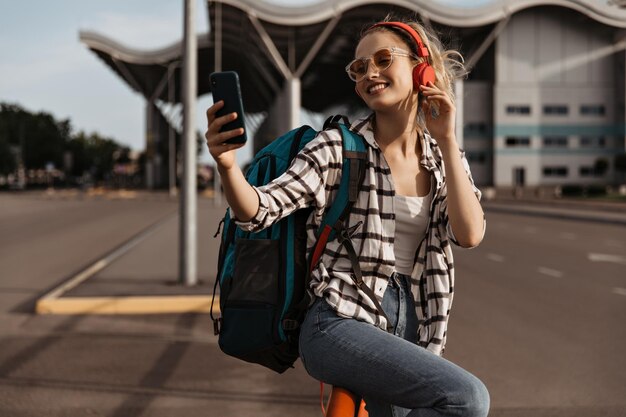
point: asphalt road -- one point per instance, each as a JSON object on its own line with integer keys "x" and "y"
{"x": 538, "y": 316}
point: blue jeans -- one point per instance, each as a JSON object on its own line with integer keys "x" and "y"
{"x": 394, "y": 375}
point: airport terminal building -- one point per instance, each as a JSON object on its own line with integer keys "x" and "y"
{"x": 543, "y": 105}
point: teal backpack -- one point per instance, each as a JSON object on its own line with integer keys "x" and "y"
{"x": 263, "y": 276}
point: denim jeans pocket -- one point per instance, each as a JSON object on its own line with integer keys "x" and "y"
{"x": 324, "y": 314}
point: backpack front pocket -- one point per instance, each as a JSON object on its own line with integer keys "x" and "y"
{"x": 256, "y": 272}
{"x": 247, "y": 328}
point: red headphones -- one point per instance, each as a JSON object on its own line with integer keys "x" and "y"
{"x": 423, "y": 72}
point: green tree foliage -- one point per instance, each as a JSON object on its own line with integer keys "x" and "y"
{"x": 620, "y": 164}
{"x": 40, "y": 139}
{"x": 8, "y": 163}
{"x": 601, "y": 166}
{"x": 95, "y": 155}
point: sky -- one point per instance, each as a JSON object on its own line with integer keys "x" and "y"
{"x": 44, "y": 67}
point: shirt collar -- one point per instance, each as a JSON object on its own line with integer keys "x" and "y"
{"x": 363, "y": 126}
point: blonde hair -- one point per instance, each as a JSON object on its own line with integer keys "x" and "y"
{"x": 447, "y": 63}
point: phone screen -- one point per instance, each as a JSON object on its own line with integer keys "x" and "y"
{"x": 225, "y": 86}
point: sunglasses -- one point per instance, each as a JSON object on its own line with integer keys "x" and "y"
{"x": 382, "y": 59}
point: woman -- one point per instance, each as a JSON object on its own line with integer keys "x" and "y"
{"x": 417, "y": 197}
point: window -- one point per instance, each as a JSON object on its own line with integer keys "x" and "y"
{"x": 555, "y": 110}
{"x": 513, "y": 141}
{"x": 592, "y": 141}
{"x": 589, "y": 172}
{"x": 555, "y": 171}
{"x": 518, "y": 109}
{"x": 592, "y": 109}
{"x": 586, "y": 171}
{"x": 555, "y": 142}
{"x": 476, "y": 128}
{"x": 476, "y": 157}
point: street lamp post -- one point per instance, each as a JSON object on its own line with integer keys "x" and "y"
{"x": 188, "y": 202}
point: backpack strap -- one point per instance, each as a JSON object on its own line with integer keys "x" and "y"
{"x": 335, "y": 120}
{"x": 333, "y": 223}
{"x": 352, "y": 174}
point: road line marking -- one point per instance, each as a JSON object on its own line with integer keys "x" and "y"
{"x": 104, "y": 262}
{"x": 605, "y": 257}
{"x": 495, "y": 257}
{"x": 619, "y": 291}
{"x": 550, "y": 272}
{"x": 77, "y": 279}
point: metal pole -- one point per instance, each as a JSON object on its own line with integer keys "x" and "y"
{"x": 293, "y": 86}
{"x": 172, "y": 139}
{"x": 459, "y": 95}
{"x": 188, "y": 229}
{"x": 293, "y": 102}
{"x": 217, "y": 34}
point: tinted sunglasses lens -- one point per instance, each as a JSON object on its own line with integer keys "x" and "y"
{"x": 382, "y": 59}
{"x": 357, "y": 69}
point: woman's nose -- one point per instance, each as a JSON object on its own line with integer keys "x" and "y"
{"x": 371, "y": 68}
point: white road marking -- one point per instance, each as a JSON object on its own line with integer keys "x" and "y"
{"x": 567, "y": 236}
{"x": 605, "y": 257}
{"x": 550, "y": 272}
{"x": 495, "y": 257}
{"x": 100, "y": 264}
{"x": 619, "y": 291}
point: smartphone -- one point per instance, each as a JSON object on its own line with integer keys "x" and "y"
{"x": 225, "y": 86}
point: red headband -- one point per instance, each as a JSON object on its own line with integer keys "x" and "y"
{"x": 422, "y": 51}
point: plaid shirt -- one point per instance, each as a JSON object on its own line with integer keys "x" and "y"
{"x": 313, "y": 180}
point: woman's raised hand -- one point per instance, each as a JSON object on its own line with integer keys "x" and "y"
{"x": 441, "y": 126}
{"x": 223, "y": 153}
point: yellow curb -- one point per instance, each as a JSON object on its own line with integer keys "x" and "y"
{"x": 53, "y": 303}
{"x": 128, "y": 305}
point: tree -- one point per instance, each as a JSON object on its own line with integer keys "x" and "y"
{"x": 40, "y": 139}
{"x": 601, "y": 166}
{"x": 94, "y": 154}
{"x": 7, "y": 159}
{"x": 620, "y": 164}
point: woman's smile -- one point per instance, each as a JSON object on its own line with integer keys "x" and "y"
{"x": 377, "y": 88}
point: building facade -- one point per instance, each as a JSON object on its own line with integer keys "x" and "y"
{"x": 543, "y": 104}
{"x": 558, "y": 100}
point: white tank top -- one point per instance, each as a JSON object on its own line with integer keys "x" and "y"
{"x": 411, "y": 223}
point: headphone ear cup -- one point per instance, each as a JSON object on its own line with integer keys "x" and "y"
{"x": 423, "y": 74}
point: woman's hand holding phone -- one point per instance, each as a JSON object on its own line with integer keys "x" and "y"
{"x": 241, "y": 197}
{"x": 223, "y": 153}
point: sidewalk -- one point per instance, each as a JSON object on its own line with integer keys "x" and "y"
{"x": 140, "y": 276}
